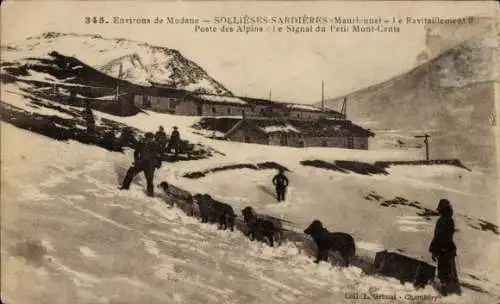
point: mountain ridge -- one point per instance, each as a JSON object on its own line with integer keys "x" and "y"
{"x": 450, "y": 96}
{"x": 159, "y": 65}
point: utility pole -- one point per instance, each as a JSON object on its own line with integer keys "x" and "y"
{"x": 118, "y": 83}
{"x": 322, "y": 96}
{"x": 343, "y": 111}
{"x": 270, "y": 95}
{"x": 426, "y": 142}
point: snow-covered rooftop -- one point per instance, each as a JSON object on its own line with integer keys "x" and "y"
{"x": 276, "y": 128}
{"x": 306, "y": 107}
{"x": 303, "y": 107}
{"x": 220, "y": 99}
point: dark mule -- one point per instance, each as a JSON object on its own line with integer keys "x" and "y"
{"x": 326, "y": 241}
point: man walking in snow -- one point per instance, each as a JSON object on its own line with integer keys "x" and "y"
{"x": 161, "y": 139}
{"x": 280, "y": 181}
{"x": 175, "y": 141}
{"x": 89, "y": 118}
{"x": 443, "y": 249}
{"x": 146, "y": 159}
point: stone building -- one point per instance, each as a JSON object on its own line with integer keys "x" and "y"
{"x": 179, "y": 102}
{"x": 288, "y": 132}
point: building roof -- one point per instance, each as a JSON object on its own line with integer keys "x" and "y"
{"x": 330, "y": 127}
{"x": 218, "y": 99}
{"x": 163, "y": 91}
{"x": 219, "y": 124}
{"x": 280, "y": 129}
{"x": 317, "y": 128}
{"x": 309, "y": 108}
{"x": 290, "y": 106}
{"x": 264, "y": 126}
{"x": 262, "y": 102}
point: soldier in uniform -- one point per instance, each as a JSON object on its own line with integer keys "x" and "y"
{"x": 280, "y": 181}
{"x": 161, "y": 139}
{"x": 175, "y": 141}
{"x": 443, "y": 249}
{"x": 146, "y": 159}
{"x": 89, "y": 118}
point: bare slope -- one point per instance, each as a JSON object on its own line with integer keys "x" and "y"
{"x": 451, "y": 97}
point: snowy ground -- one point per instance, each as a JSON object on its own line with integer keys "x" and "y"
{"x": 65, "y": 223}
{"x": 69, "y": 236}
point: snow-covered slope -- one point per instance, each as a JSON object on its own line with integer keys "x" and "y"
{"x": 69, "y": 236}
{"x": 142, "y": 63}
{"x": 72, "y": 237}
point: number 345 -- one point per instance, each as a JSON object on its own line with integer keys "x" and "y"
{"x": 94, "y": 20}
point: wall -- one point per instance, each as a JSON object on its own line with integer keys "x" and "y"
{"x": 293, "y": 139}
{"x": 246, "y": 135}
{"x": 297, "y": 114}
{"x": 255, "y": 111}
{"x": 156, "y": 103}
{"x": 337, "y": 142}
{"x": 187, "y": 107}
{"x": 163, "y": 104}
{"x": 216, "y": 109}
{"x": 361, "y": 143}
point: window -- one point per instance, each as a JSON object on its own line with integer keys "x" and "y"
{"x": 247, "y": 138}
{"x": 298, "y": 115}
{"x": 214, "y": 110}
{"x": 228, "y": 110}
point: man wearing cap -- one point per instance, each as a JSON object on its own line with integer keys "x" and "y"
{"x": 161, "y": 139}
{"x": 89, "y": 118}
{"x": 443, "y": 249}
{"x": 280, "y": 181}
{"x": 175, "y": 141}
{"x": 146, "y": 159}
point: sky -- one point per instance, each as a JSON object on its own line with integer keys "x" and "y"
{"x": 291, "y": 66}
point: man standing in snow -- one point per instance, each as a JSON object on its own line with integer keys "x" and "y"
{"x": 280, "y": 181}
{"x": 146, "y": 159}
{"x": 161, "y": 140}
{"x": 443, "y": 249}
{"x": 175, "y": 141}
{"x": 89, "y": 118}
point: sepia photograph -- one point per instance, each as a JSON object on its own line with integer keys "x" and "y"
{"x": 249, "y": 152}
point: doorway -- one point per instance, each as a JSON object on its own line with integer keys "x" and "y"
{"x": 284, "y": 140}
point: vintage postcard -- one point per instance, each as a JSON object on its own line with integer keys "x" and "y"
{"x": 249, "y": 152}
